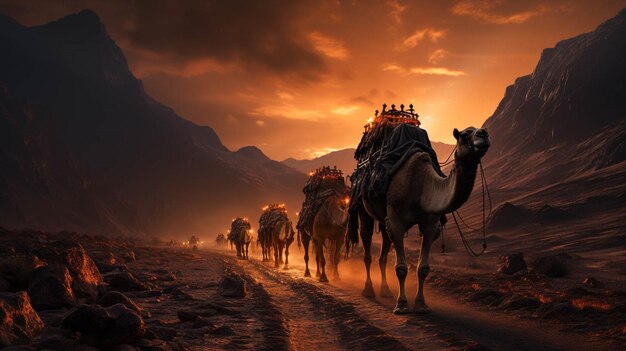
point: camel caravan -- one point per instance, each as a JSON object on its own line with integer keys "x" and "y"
{"x": 397, "y": 184}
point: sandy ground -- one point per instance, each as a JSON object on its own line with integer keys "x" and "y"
{"x": 285, "y": 311}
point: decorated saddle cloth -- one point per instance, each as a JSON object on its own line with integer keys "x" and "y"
{"x": 405, "y": 140}
{"x": 312, "y": 205}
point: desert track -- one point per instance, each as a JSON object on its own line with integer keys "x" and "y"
{"x": 312, "y": 315}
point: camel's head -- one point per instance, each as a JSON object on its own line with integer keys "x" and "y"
{"x": 472, "y": 143}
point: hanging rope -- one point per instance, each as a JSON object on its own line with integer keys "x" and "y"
{"x": 448, "y": 160}
{"x": 486, "y": 196}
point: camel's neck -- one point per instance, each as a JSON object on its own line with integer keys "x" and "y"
{"x": 444, "y": 195}
{"x": 336, "y": 213}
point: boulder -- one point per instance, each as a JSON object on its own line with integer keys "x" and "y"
{"x": 17, "y": 270}
{"x": 163, "y": 333}
{"x": 83, "y": 270}
{"x": 106, "y": 257}
{"x": 512, "y": 263}
{"x": 232, "y": 285}
{"x": 18, "y": 320}
{"x": 114, "y": 297}
{"x": 125, "y": 281}
{"x": 187, "y": 316}
{"x": 105, "y": 328}
{"x": 51, "y": 288}
{"x": 554, "y": 266}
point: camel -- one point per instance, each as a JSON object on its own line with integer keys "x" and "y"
{"x": 282, "y": 234}
{"x": 418, "y": 195}
{"x": 242, "y": 236}
{"x": 329, "y": 224}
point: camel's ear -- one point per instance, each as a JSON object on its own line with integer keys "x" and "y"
{"x": 456, "y": 134}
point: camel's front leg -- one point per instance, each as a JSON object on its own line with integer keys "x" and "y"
{"x": 397, "y": 230}
{"x": 429, "y": 231}
{"x": 319, "y": 247}
{"x": 382, "y": 261}
{"x": 281, "y": 246}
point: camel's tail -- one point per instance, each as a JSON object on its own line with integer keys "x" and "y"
{"x": 352, "y": 234}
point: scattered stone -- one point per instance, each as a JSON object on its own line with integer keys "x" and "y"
{"x": 18, "y": 320}
{"x": 223, "y": 330}
{"x": 84, "y": 271}
{"x": 163, "y": 333}
{"x": 16, "y": 271}
{"x": 187, "y": 316}
{"x": 125, "y": 281}
{"x": 129, "y": 256}
{"x": 108, "y": 268}
{"x": 512, "y": 264}
{"x": 168, "y": 277}
{"x": 590, "y": 282}
{"x": 114, "y": 297}
{"x": 550, "y": 310}
{"x": 483, "y": 294}
{"x": 106, "y": 257}
{"x": 51, "y": 288}
{"x": 517, "y": 301}
{"x": 105, "y": 328}
{"x": 554, "y": 266}
{"x": 202, "y": 322}
{"x": 232, "y": 285}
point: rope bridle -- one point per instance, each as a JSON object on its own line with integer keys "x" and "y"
{"x": 486, "y": 197}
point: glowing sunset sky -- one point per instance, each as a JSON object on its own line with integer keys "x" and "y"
{"x": 299, "y": 78}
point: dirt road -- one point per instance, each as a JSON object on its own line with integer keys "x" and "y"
{"x": 335, "y": 316}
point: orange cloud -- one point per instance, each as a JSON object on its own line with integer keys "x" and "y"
{"x": 346, "y": 110}
{"x": 396, "y": 10}
{"x": 437, "y": 56}
{"x": 328, "y": 46}
{"x": 484, "y": 11}
{"x": 419, "y": 35}
{"x": 435, "y": 71}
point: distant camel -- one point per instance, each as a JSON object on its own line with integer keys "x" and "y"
{"x": 282, "y": 236}
{"x": 418, "y": 195}
{"x": 242, "y": 237}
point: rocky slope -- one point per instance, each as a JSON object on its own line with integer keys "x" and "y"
{"x": 132, "y": 163}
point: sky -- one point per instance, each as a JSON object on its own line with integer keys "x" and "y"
{"x": 300, "y": 78}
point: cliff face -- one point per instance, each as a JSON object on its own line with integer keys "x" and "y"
{"x": 566, "y": 118}
{"x": 172, "y": 175}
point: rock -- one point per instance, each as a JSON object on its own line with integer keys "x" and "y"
{"x": 16, "y": 271}
{"x": 167, "y": 277}
{"x": 83, "y": 270}
{"x": 105, "y": 328}
{"x": 554, "y": 266}
{"x": 512, "y": 264}
{"x": 18, "y": 320}
{"x": 163, "y": 333}
{"x": 114, "y": 297}
{"x": 590, "y": 282}
{"x": 202, "y": 322}
{"x": 550, "y": 310}
{"x": 232, "y": 285}
{"x": 187, "y": 316}
{"x": 129, "y": 256}
{"x": 520, "y": 302}
{"x": 223, "y": 330}
{"x": 125, "y": 281}
{"x": 56, "y": 341}
{"x": 51, "y": 288}
{"x": 484, "y": 293}
{"x": 105, "y": 257}
{"x": 159, "y": 345}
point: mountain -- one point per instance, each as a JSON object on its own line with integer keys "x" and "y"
{"x": 567, "y": 118}
{"x": 344, "y": 159}
{"x": 557, "y": 163}
{"x": 86, "y": 137}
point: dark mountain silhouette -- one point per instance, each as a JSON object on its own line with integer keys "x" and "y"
{"x": 567, "y": 118}
{"x": 344, "y": 159}
{"x": 558, "y": 155}
{"x": 145, "y": 168}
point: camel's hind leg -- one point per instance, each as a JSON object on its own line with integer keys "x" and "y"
{"x": 396, "y": 229}
{"x": 305, "y": 241}
{"x": 281, "y": 247}
{"x": 367, "y": 230}
{"x": 319, "y": 248}
{"x": 382, "y": 261}
{"x": 429, "y": 231}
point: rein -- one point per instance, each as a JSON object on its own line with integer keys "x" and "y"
{"x": 486, "y": 196}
